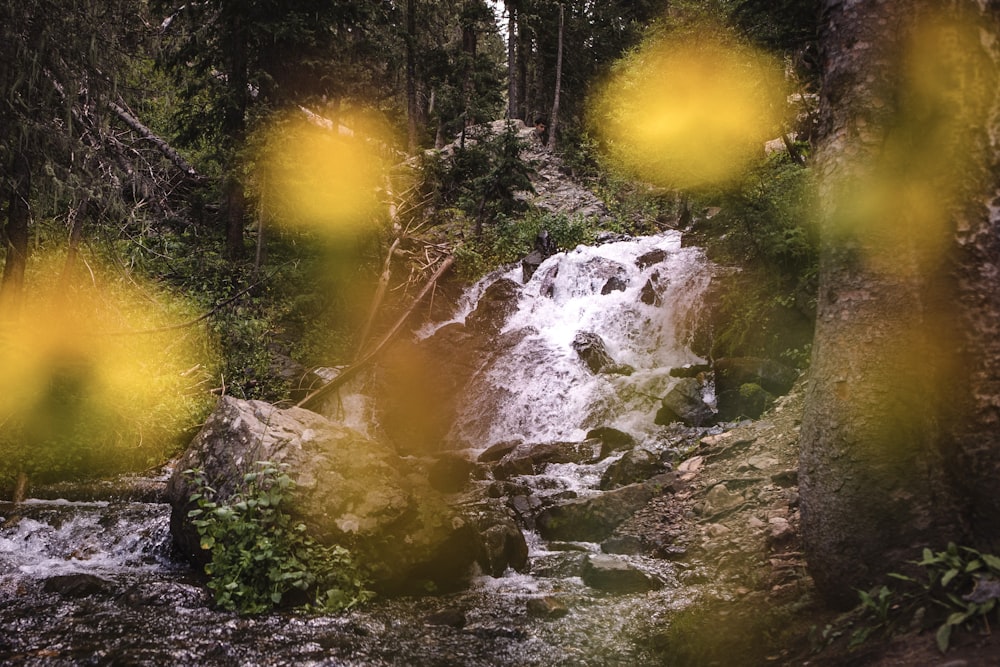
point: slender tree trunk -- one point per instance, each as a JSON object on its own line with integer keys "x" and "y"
{"x": 554, "y": 122}
{"x": 16, "y": 236}
{"x": 512, "y": 102}
{"x": 234, "y": 129}
{"x": 77, "y": 214}
{"x": 411, "y": 75}
{"x": 523, "y": 51}
{"x": 892, "y": 454}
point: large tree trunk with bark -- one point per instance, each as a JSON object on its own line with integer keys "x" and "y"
{"x": 900, "y": 440}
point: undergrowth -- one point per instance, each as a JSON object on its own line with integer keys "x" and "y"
{"x": 262, "y": 558}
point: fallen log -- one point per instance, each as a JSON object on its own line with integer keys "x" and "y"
{"x": 166, "y": 149}
{"x": 362, "y": 361}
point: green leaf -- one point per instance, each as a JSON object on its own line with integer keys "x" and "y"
{"x": 948, "y": 576}
{"x": 992, "y": 561}
{"x": 943, "y": 637}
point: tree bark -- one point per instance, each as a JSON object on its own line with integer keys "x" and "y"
{"x": 907, "y": 310}
{"x": 554, "y": 123}
{"x": 234, "y": 129}
{"x": 512, "y": 102}
{"x": 16, "y": 236}
{"x": 411, "y": 76}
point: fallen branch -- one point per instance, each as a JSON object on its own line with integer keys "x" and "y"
{"x": 383, "y": 283}
{"x": 356, "y": 367}
{"x": 166, "y": 149}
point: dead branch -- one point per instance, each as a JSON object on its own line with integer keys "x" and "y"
{"x": 166, "y": 149}
{"x": 383, "y": 283}
{"x": 358, "y": 365}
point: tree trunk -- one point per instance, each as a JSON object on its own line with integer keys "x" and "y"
{"x": 411, "y": 76}
{"x": 554, "y": 123}
{"x": 905, "y": 343}
{"x": 523, "y": 52}
{"x": 234, "y": 128}
{"x": 16, "y": 236}
{"x": 512, "y": 103}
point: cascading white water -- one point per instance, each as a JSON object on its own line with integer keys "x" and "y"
{"x": 539, "y": 390}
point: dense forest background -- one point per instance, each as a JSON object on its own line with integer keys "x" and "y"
{"x": 147, "y": 150}
{"x": 199, "y": 199}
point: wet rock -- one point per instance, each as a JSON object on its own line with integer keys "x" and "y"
{"x": 614, "y": 284}
{"x": 351, "y": 490}
{"x": 502, "y": 547}
{"x": 547, "y": 607}
{"x": 545, "y": 246}
{"x": 452, "y": 618}
{"x": 496, "y": 452}
{"x": 609, "y": 573}
{"x": 685, "y": 403}
{"x": 527, "y": 459}
{"x": 649, "y": 294}
{"x": 623, "y": 544}
{"x": 530, "y": 264}
{"x": 648, "y": 259}
{"x": 612, "y": 440}
{"x": 561, "y": 565}
{"x": 495, "y": 307}
{"x": 592, "y": 351}
{"x": 635, "y": 465}
{"x": 593, "y": 519}
{"x": 78, "y": 585}
{"x": 689, "y": 370}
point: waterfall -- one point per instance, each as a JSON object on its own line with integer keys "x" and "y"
{"x": 641, "y": 297}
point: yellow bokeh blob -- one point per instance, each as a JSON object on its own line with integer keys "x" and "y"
{"x": 92, "y": 378}
{"x": 686, "y": 112}
{"x": 317, "y": 177}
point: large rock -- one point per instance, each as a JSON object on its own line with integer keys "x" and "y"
{"x": 746, "y": 386}
{"x": 495, "y": 307}
{"x": 593, "y": 519}
{"x": 613, "y": 574}
{"x": 685, "y": 403}
{"x": 528, "y": 459}
{"x": 351, "y": 490}
{"x": 635, "y": 465}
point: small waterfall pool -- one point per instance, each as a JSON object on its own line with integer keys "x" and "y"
{"x": 95, "y": 583}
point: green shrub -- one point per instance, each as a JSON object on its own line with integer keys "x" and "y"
{"x": 958, "y": 588}
{"x": 262, "y": 558}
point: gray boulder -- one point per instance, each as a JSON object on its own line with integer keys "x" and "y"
{"x": 613, "y": 574}
{"x": 350, "y": 490}
{"x": 635, "y": 465}
{"x": 684, "y": 403}
{"x": 594, "y": 518}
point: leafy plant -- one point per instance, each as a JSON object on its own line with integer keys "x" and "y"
{"x": 960, "y": 583}
{"x": 261, "y": 557}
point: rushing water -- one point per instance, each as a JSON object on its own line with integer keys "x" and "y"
{"x": 95, "y": 583}
{"x": 543, "y": 391}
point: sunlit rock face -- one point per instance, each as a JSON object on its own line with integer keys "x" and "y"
{"x": 351, "y": 490}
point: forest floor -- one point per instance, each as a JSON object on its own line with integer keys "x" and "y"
{"x": 739, "y": 518}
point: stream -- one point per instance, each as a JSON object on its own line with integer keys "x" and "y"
{"x": 95, "y": 582}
